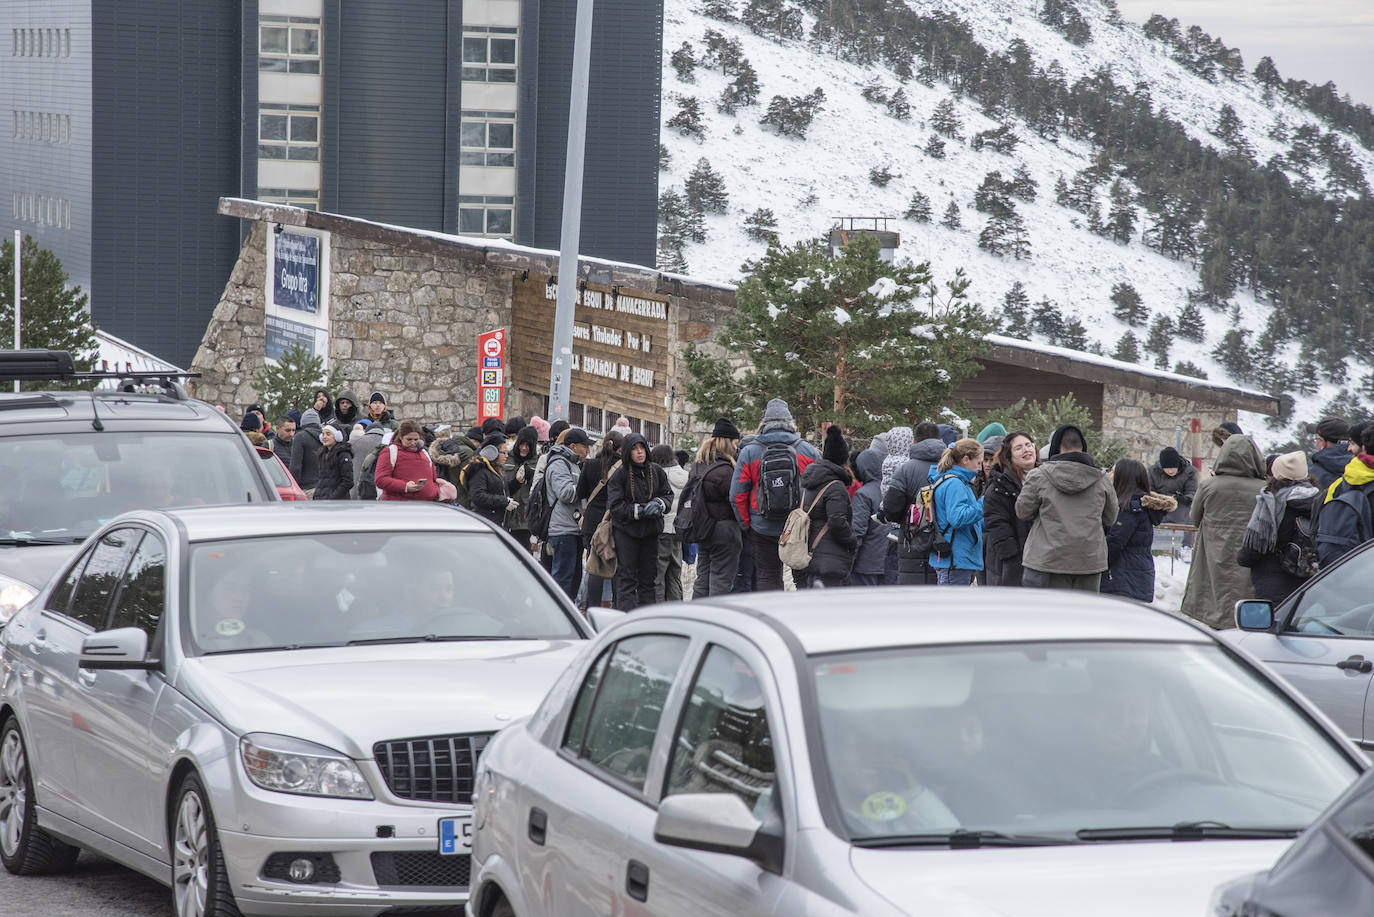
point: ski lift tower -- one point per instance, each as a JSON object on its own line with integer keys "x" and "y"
{"x": 846, "y": 229}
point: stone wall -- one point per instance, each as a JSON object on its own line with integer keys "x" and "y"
{"x": 1148, "y": 422}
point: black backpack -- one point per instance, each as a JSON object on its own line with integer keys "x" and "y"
{"x": 367, "y": 482}
{"x": 539, "y": 509}
{"x": 1343, "y": 523}
{"x": 779, "y": 485}
{"x": 1299, "y": 556}
{"x": 693, "y": 523}
{"x": 921, "y": 531}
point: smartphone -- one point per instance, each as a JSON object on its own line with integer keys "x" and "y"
{"x": 422, "y": 481}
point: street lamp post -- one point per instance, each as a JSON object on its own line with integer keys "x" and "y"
{"x": 18, "y": 271}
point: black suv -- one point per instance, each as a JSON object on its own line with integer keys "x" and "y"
{"x": 70, "y": 460}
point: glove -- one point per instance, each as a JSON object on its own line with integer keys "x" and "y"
{"x": 652, "y": 509}
{"x": 512, "y": 504}
{"x": 520, "y": 475}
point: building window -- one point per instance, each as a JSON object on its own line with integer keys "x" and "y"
{"x": 309, "y": 198}
{"x": 488, "y": 54}
{"x": 289, "y": 132}
{"x": 488, "y": 141}
{"x": 289, "y": 44}
{"x": 486, "y": 215}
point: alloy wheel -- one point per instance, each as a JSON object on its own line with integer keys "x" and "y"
{"x": 13, "y": 792}
{"x": 191, "y": 857}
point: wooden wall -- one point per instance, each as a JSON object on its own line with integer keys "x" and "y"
{"x": 1001, "y": 385}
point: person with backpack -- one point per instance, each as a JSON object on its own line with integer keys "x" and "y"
{"x": 1130, "y": 565}
{"x": 591, "y": 489}
{"x": 366, "y": 444}
{"x": 1221, "y": 510}
{"x": 305, "y": 452}
{"x": 451, "y": 455}
{"x": 638, "y": 496}
{"x": 1278, "y": 546}
{"x": 767, "y": 487}
{"x": 668, "y": 580}
{"x": 1004, "y": 532}
{"x": 335, "y": 464}
{"x": 825, "y": 501}
{"x": 713, "y": 524}
{"x": 519, "y": 475}
{"x": 958, "y": 514}
{"x": 404, "y": 471}
{"x": 901, "y": 493}
{"x": 870, "y": 559}
{"x": 1070, "y": 503}
{"x": 485, "y": 485}
{"x": 1346, "y": 518}
{"x": 556, "y": 489}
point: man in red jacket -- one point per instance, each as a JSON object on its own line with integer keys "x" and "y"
{"x": 404, "y": 470}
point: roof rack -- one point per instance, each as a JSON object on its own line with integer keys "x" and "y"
{"x": 58, "y": 366}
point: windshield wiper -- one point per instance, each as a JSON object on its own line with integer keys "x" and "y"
{"x": 426, "y": 638}
{"x": 21, "y": 538}
{"x": 962, "y": 840}
{"x": 1185, "y": 831}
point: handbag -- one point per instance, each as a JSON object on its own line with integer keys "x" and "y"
{"x": 601, "y": 559}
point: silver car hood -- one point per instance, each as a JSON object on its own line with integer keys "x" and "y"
{"x": 1121, "y": 879}
{"x": 35, "y": 564}
{"x": 347, "y": 698}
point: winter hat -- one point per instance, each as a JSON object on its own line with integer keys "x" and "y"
{"x": 948, "y": 434}
{"x": 474, "y": 434}
{"x": 376, "y": 396}
{"x": 835, "y": 449}
{"x": 993, "y": 443}
{"x": 1291, "y": 466}
{"x": 526, "y": 434}
{"x": 294, "y": 415}
{"x": 311, "y": 416}
{"x": 1169, "y": 458}
{"x": 541, "y": 428}
{"x": 491, "y": 446}
{"x": 991, "y": 430}
{"x": 557, "y": 427}
{"x": 1357, "y": 431}
{"x": 1057, "y": 438}
{"x": 724, "y": 429}
{"x": 898, "y": 444}
{"x": 513, "y": 425}
{"x": 576, "y": 435}
{"x": 338, "y": 435}
{"x": 250, "y": 423}
{"x": 360, "y": 428}
{"x": 777, "y": 412}
{"x": 493, "y": 425}
{"x": 622, "y": 426}
{"x": 1224, "y": 431}
{"x": 1333, "y": 429}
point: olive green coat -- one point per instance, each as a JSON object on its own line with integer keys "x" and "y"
{"x": 1221, "y": 510}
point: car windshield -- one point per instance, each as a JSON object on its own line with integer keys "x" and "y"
{"x": 1066, "y": 741}
{"x": 275, "y": 469}
{"x": 64, "y": 487}
{"x": 336, "y": 589}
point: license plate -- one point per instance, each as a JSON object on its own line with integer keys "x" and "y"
{"x": 455, "y": 836}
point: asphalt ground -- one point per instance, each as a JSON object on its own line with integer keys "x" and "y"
{"x": 95, "y": 888}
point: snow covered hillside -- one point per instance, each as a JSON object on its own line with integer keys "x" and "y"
{"x": 809, "y": 182}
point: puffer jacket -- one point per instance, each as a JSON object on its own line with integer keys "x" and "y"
{"x": 1005, "y": 533}
{"x": 392, "y": 474}
{"x": 305, "y": 451}
{"x": 632, "y": 487}
{"x": 902, "y": 491}
{"x": 520, "y": 491}
{"x": 486, "y": 489}
{"x": 833, "y": 554}
{"x": 363, "y": 446}
{"x": 1221, "y": 511}
{"x": 871, "y": 557}
{"x": 960, "y": 516}
{"x": 1182, "y": 487}
{"x": 562, "y": 467}
{"x": 1130, "y": 566}
{"x": 743, "y": 491}
{"x": 715, "y": 489}
{"x": 336, "y": 473}
{"x": 1069, "y": 502}
{"x": 1327, "y": 465}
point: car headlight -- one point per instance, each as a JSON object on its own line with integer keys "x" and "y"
{"x": 14, "y": 595}
{"x": 289, "y": 765}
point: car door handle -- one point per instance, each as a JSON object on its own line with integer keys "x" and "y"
{"x": 539, "y": 826}
{"x": 1357, "y": 663}
{"x": 637, "y": 881}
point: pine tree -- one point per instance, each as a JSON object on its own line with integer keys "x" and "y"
{"x": 880, "y": 176}
{"x": 1121, "y": 218}
{"x": 684, "y": 63}
{"x": 743, "y": 90}
{"x": 1075, "y": 336}
{"x": 706, "y": 189}
{"x": 951, "y": 219}
{"x": 665, "y": 158}
{"x": 898, "y": 105}
{"x": 874, "y": 91}
{"x": 1190, "y": 325}
{"x": 1046, "y": 319}
{"x": 723, "y": 10}
{"x": 772, "y": 18}
{"x": 722, "y": 52}
{"x": 1186, "y": 368}
{"x": 292, "y": 381}
{"x": 792, "y": 116}
{"x": 762, "y": 226}
{"x": 1127, "y": 305}
{"x": 687, "y": 121}
{"x": 1160, "y": 339}
{"x": 1233, "y": 353}
{"x": 935, "y": 147}
{"x": 993, "y": 195}
{"x": 945, "y": 120}
{"x": 1061, "y": 191}
{"x": 1015, "y": 309}
{"x": 1023, "y": 186}
{"x": 54, "y": 315}
{"x": 673, "y": 230}
{"x": 1127, "y": 348}
{"x": 843, "y": 347}
{"x": 919, "y": 208}
{"x": 1228, "y": 125}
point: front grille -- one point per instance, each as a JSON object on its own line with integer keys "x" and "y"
{"x": 431, "y": 769}
{"x": 426, "y": 868}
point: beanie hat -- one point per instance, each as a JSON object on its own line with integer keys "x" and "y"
{"x": 1169, "y": 458}
{"x": 360, "y": 428}
{"x": 250, "y": 423}
{"x": 992, "y": 444}
{"x": 1291, "y": 466}
{"x": 835, "y": 449}
{"x": 1333, "y": 429}
{"x": 1357, "y": 431}
{"x": 310, "y": 417}
{"x": 622, "y": 425}
{"x": 991, "y": 430}
{"x": 493, "y": 425}
{"x": 557, "y": 427}
{"x": 474, "y": 434}
{"x": 541, "y": 428}
{"x": 513, "y": 425}
{"x": 294, "y": 415}
{"x": 724, "y": 429}
{"x": 376, "y": 396}
{"x": 948, "y": 435}
{"x": 777, "y": 411}
{"x": 338, "y": 435}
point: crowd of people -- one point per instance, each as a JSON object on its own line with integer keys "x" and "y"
{"x": 615, "y": 518}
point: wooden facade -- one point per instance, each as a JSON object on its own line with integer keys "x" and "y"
{"x": 999, "y": 385}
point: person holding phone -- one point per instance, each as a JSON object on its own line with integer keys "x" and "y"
{"x": 485, "y": 484}
{"x": 404, "y": 470}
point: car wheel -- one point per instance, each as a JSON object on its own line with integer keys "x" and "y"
{"x": 502, "y": 909}
{"x": 25, "y": 848}
{"x": 200, "y": 884}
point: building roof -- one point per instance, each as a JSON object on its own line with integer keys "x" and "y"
{"x": 118, "y": 355}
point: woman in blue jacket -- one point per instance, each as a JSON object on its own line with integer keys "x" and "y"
{"x": 1130, "y": 566}
{"x": 958, "y": 513}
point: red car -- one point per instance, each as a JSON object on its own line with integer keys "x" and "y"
{"x": 287, "y": 488}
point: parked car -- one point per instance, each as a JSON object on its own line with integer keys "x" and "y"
{"x": 71, "y": 461}
{"x": 273, "y": 708}
{"x": 1329, "y": 870}
{"x": 287, "y": 488}
{"x": 893, "y": 752}
{"x": 1321, "y": 640}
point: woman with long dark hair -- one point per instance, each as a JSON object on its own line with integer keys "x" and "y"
{"x": 1130, "y": 566}
{"x": 639, "y": 496}
{"x": 591, "y": 487}
{"x": 1005, "y": 532}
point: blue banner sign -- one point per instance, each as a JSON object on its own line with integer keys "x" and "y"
{"x": 296, "y": 276}
{"x": 283, "y": 334}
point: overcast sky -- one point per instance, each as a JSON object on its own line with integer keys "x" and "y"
{"x": 1313, "y": 40}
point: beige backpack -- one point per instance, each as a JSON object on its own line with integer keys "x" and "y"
{"x": 796, "y": 545}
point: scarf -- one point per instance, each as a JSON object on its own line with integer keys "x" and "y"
{"x": 898, "y": 446}
{"x": 1262, "y": 531}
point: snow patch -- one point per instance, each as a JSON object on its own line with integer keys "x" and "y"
{"x": 841, "y": 316}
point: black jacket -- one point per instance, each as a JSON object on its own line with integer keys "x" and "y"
{"x": 1130, "y": 566}
{"x": 305, "y": 456}
{"x": 833, "y": 555}
{"x": 632, "y": 487}
{"x": 1182, "y": 487}
{"x": 1271, "y": 582}
{"x": 715, "y": 489}
{"x": 586, "y": 484}
{"x": 336, "y": 472}
{"x": 345, "y": 420}
{"x": 486, "y": 489}
{"x": 1004, "y": 532}
{"x": 1328, "y": 465}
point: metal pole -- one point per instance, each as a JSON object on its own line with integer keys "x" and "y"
{"x": 18, "y": 271}
{"x": 560, "y": 374}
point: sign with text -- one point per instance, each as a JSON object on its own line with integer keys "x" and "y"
{"x": 283, "y": 334}
{"x": 491, "y": 352}
{"x": 297, "y": 292}
{"x": 620, "y": 346}
{"x": 296, "y": 271}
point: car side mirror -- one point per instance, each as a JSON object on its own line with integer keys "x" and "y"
{"x": 719, "y": 823}
{"x": 122, "y": 648}
{"x": 602, "y": 618}
{"x": 1254, "y": 614}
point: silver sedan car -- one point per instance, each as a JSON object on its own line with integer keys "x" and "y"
{"x": 981, "y": 753}
{"x": 275, "y": 709}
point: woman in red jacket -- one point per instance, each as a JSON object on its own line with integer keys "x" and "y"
{"x": 404, "y": 469}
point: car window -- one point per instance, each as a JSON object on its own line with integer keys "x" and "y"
{"x": 723, "y": 744}
{"x": 61, "y": 596}
{"x": 582, "y": 705}
{"x": 1340, "y": 603}
{"x": 275, "y": 470}
{"x": 628, "y": 704}
{"x": 1354, "y": 818}
{"x": 104, "y": 568}
{"x": 142, "y": 593}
